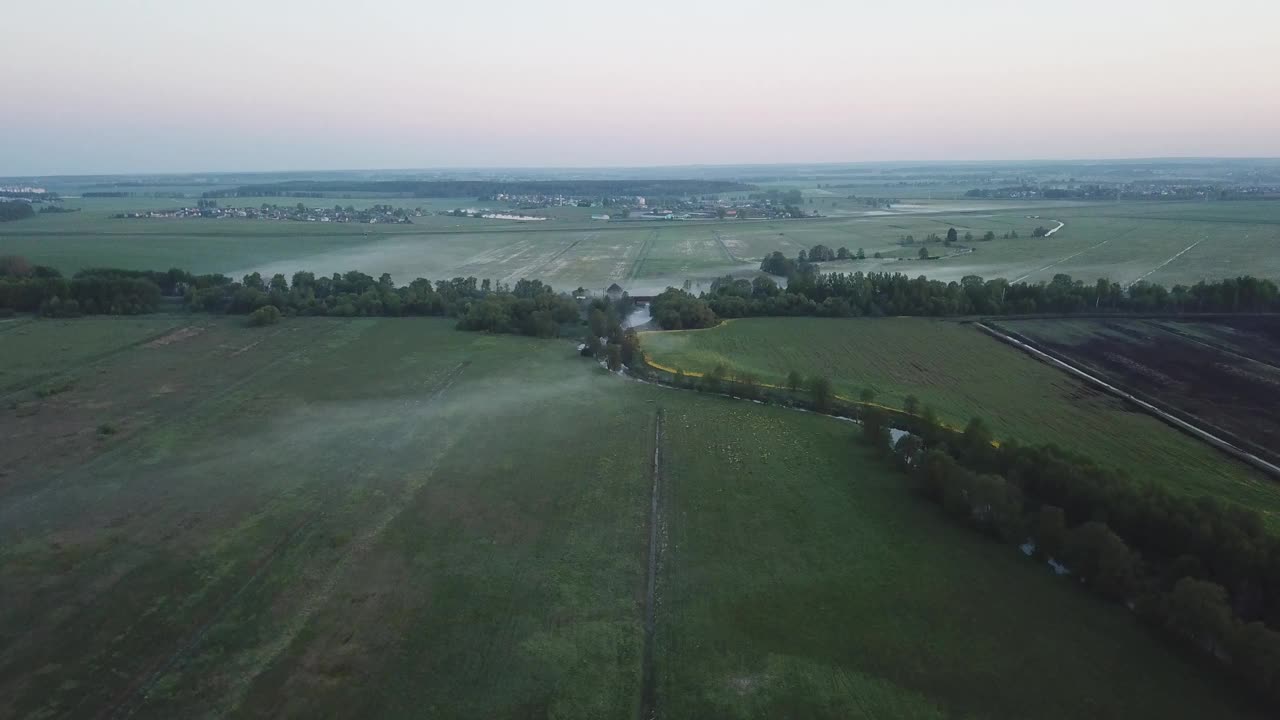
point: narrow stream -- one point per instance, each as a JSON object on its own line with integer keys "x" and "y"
{"x": 638, "y": 317}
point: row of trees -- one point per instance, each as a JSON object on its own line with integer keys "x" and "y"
{"x": 680, "y": 310}
{"x": 1206, "y": 572}
{"x": 875, "y": 294}
{"x": 38, "y": 289}
{"x": 487, "y": 188}
{"x": 778, "y": 264}
{"x": 528, "y": 307}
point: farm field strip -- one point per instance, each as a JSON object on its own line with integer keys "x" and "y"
{"x": 441, "y": 247}
{"x": 1190, "y": 428}
{"x": 1215, "y": 346}
{"x": 648, "y": 683}
{"x": 1056, "y": 263}
{"x": 962, "y": 373}
{"x": 1214, "y": 374}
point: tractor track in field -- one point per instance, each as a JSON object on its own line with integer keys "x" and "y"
{"x": 132, "y": 699}
{"x": 560, "y": 253}
{"x": 649, "y": 680}
{"x": 532, "y": 271}
{"x": 727, "y": 252}
{"x": 645, "y": 248}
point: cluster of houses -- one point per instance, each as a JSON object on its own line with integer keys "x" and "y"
{"x": 703, "y": 210}
{"x": 1136, "y": 190}
{"x": 375, "y": 215}
{"x": 533, "y": 201}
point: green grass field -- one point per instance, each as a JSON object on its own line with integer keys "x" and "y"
{"x": 52, "y": 346}
{"x": 1124, "y": 242}
{"x": 804, "y": 581}
{"x": 390, "y": 518}
{"x": 962, "y": 374}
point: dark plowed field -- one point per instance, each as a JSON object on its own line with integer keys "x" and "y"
{"x": 1225, "y": 372}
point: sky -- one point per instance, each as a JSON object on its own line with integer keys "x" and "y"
{"x": 134, "y": 86}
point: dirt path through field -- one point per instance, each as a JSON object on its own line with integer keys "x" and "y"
{"x": 648, "y": 683}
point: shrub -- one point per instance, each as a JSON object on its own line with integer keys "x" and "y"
{"x": 265, "y": 315}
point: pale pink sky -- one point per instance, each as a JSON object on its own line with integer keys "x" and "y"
{"x": 176, "y": 85}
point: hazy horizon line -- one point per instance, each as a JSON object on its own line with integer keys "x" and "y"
{"x": 657, "y": 166}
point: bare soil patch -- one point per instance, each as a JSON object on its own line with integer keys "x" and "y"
{"x": 1222, "y": 372}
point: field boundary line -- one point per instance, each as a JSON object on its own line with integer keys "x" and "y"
{"x": 1168, "y": 417}
{"x": 648, "y": 679}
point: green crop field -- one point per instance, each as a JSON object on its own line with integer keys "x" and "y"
{"x": 391, "y": 518}
{"x": 1160, "y": 242}
{"x": 962, "y": 374}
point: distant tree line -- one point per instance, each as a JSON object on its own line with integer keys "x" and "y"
{"x": 38, "y": 289}
{"x": 15, "y": 210}
{"x": 1203, "y": 571}
{"x": 128, "y": 193}
{"x": 529, "y": 307}
{"x": 1083, "y": 192}
{"x": 875, "y": 294}
{"x": 778, "y": 197}
{"x": 486, "y": 188}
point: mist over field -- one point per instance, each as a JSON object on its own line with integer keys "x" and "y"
{"x": 667, "y": 361}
